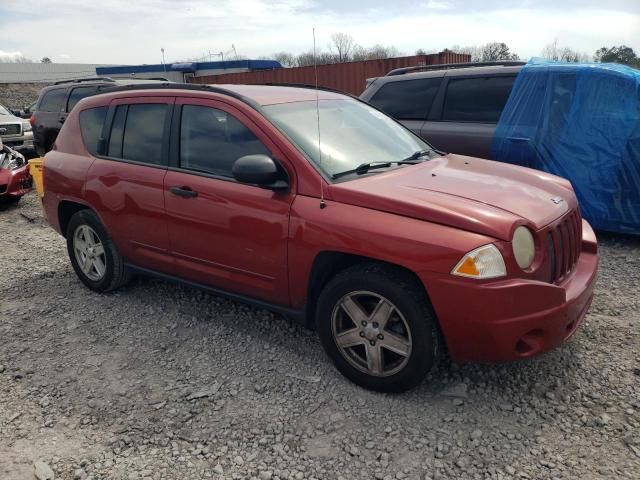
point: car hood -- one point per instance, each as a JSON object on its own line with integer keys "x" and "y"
{"x": 478, "y": 195}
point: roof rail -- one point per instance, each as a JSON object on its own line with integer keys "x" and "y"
{"x": 178, "y": 86}
{"x": 451, "y": 66}
{"x": 306, "y": 85}
{"x": 87, "y": 79}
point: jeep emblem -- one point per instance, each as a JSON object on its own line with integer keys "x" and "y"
{"x": 557, "y": 200}
{"x": 3, "y": 130}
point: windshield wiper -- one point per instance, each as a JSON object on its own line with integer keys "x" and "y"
{"x": 365, "y": 167}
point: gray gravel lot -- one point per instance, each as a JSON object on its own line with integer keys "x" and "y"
{"x": 159, "y": 381}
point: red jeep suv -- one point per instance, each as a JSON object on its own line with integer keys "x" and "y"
{"x": 316, "y": 205}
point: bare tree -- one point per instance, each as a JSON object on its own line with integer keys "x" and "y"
{"x": 46, "y": 60}
{"x": 495, "y": 51}
{"x": 15, "y": 58}
{"x": 344, "y": 46}
{"x": 489, "y": 52}
{"x": 286, "y": 59}
{"x": 553, "y": 51}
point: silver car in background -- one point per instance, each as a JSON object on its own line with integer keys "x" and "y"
{"x": 16, "y": 132}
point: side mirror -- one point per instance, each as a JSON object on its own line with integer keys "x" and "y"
{"x": 260, "y": 170}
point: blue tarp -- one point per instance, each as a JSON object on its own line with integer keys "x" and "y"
{"x": 581, "y": 122}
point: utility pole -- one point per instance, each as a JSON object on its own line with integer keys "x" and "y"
{"x": 164, "y": 65}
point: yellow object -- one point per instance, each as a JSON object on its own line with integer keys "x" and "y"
{"x": 468, "y": 267}
{"x": 36, "y": 169}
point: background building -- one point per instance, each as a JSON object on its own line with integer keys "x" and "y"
{"x": 187, "y": 71}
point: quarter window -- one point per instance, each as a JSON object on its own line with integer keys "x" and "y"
{"x": 52, "y": 100}
{"x": 91, "y": 123}
{"x": 211, "y": 140}
{"x": 407, "y": 99}
{"x": 476, "y": 99}
{"x": 78, "y": 94}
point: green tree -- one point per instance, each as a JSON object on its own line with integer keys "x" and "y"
{"x": 621, "y": 54}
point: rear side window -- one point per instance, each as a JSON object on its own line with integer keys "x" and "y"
{"x": 476, "y": 99}
{"x": 78, "y": 94}
{"x": 137, "y": 133}
{"x": 211, "y": 140}
{"x": 52, "y": 100}
{"x": 91, "y": 122}
{"x": 407, "y": 99}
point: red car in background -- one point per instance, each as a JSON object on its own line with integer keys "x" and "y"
{"x": 15, "y": 180}
{"x": 318, "y": 206}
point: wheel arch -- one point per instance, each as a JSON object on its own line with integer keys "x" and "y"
{"x": 66, "y": 210}
{"x": 328, "y": 264}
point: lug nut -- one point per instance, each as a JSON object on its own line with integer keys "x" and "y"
{"x": 362, "y": 334}
{"x": 380, "y": 336}
{"x": 364, "y": 323}
{"x": 372, "y": 342}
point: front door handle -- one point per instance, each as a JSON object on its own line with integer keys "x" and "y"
{"x": 62, "y": 119}
{"x": 183, "y": 192}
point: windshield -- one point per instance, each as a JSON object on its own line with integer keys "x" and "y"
{"x": 351, "y": 133}
{"x": 4, "y": 111}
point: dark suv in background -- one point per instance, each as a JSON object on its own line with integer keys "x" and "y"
{"x": 55, "y": 103}
{"x": 455, "y": 107}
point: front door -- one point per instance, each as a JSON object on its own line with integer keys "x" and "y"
{"x": 225, "y": 234}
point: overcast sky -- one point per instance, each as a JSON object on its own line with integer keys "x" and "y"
{"x": 133, "y": 31}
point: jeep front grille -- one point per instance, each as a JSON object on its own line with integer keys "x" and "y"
{"x": 564, "y": 241}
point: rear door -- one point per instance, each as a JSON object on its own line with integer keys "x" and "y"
{"x": 223, "y": 233}
{"x": 408, "y": 101}
{"x": 463, "y": 119}
{"x": 126, "y": 180}
{"x": 49, "y": 118}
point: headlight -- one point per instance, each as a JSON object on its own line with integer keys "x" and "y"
{"x": 483, "y": 262}
{"x": 11, "y": 161}
{"x": 524, "y": 247}
{"x": 26, "y": 127}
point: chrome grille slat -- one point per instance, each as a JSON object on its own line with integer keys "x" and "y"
{"x": 564, "y": 244}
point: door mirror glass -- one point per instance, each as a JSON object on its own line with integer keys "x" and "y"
{"x": 260, "y": 170}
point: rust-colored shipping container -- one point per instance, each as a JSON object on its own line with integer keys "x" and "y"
{"x": 348, "y": 77}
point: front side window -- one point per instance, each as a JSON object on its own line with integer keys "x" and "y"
{"x": 91, "y": 123}
{"x": 351, "y": 133}
{"x": 211, "y": 140}
{"x": 480, "y": 99}
{"x": 52, "y": 100}
{"x": 407, "y": 99}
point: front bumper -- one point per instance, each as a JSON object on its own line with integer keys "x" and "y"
{"x": 15, "y": 183}
{"x": 497, "y": 321}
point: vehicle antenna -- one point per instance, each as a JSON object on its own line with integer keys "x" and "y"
{"x": 315, "y": 71}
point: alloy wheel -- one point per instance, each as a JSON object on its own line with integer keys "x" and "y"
{"x": 89, "y": 252}
{"x": 371, "y": 333}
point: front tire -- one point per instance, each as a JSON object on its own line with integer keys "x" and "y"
{"x": 93, "y": 255}
{"x": 376, "y": 324}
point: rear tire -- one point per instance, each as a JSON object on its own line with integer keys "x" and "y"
{"x": 393, "y": 342}
{"x": 10, "y": 199}
{"x": 93, "y": 254}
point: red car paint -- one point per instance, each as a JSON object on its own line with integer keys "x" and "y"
{"x": 15, "y": 183}
{"x": 262, "y": 244}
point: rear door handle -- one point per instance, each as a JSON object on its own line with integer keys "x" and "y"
{"x": 183, "y": 192}
{"x": 62, "y": 119}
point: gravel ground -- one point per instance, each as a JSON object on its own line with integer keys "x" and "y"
{"x": 159, "y": 381}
